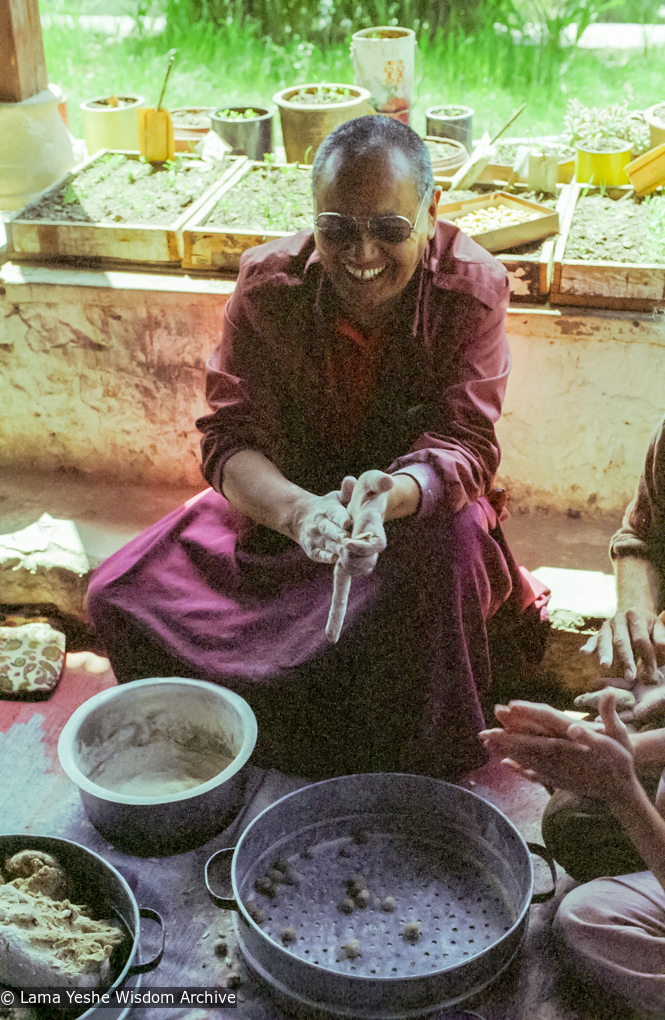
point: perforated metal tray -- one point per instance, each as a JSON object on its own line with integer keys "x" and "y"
{"x": 459, "y": 873}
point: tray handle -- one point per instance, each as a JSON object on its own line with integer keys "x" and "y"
{"x": 145, "y": 968}
{"x": 545, "y": 855}
{"x": 225, "y": 902}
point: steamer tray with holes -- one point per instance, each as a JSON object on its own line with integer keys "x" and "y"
{"x": 378, "y": 896}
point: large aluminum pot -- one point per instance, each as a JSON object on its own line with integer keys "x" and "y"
{"x": 103, "y": 889}
{"x": 447, "y": 881}
{"x": 140, "y": 737}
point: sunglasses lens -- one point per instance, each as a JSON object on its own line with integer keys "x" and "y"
{"x": 390, "y": 229}
{"x": 341, "y": 229}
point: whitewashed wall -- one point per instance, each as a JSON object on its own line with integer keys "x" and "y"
{"x": 108, "y": 377}
{"x": 103, "y": 373}
{"x": 586, "y": 391}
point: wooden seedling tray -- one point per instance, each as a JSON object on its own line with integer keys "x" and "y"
{"x": 625, "y": 286}
{"x": 113, "y": 243}
{"x": 545, "y": 224}
{"x": 220, "y": 247}
{"x": 529, "y": 272}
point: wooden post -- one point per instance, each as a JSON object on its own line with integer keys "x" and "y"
{"x": 22, "y": 62}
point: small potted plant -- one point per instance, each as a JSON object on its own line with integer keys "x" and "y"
{"x": 655, "y": 118}
{"x": 247, "y": 129}
{"x": 606, "y": 140}
{"x": 308, "y": 113}
{"x": 111, "y": 122}
{"x": 500, "y": 167}
{"x": 446, "y": 154}
{"x": 452, "y": 121}
{"x": 190, "y": 125}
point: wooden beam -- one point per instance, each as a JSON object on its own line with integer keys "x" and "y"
{"x": 22, "y": 61}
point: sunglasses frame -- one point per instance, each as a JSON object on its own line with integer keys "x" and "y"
{"x": 360, "y": 226}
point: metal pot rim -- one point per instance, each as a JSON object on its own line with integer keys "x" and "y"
{"x": 67, "y": 741}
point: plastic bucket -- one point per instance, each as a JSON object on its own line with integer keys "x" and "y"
{"x": 383, "y": 63}
{"x": 602, "y": 167}
{"x": 247, "y": 136}
{"x": 111, "y": 127}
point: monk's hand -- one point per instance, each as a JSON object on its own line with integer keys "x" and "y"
{"x": 634, "y": 640}
{"x": 367, "y": 501}
{"x": 321, "y": 524}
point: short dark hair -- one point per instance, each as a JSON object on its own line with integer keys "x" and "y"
{"x": 359, "y": 137}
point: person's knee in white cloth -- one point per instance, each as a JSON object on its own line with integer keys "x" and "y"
{"x": 614, "y": 929}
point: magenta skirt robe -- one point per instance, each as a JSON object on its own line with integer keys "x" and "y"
{"x": 402, "y": 689}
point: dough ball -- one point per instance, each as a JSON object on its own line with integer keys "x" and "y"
{"x": 351, "y": 950}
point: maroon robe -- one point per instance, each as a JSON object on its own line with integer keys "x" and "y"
{"x": 208, "y": 593}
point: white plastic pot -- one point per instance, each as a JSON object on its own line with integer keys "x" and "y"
{"x": 111, "y": 127}
{"x": 36, "y": 147}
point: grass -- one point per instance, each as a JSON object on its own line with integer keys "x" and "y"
{"x": 233, "y": 66}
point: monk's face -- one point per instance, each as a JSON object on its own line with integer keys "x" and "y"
{"x": 368, "y": 271}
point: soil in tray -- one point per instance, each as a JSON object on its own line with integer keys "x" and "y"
{"x": 115, "y": 189}
{"x": 272, "y": 199}
{"x": 622, "y": 230}
{"x": 506, "y": 151}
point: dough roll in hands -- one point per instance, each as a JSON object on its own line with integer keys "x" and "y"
{"x": 370, "y": 496}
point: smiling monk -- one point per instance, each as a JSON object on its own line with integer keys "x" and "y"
{"x": 369, "y": 351}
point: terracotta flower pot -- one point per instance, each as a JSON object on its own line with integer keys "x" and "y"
{"x": 447, "y": 154}
{"x": 602, "y": 167}
{"x": 305, "y": 124}
{"x": 190, "y": 125}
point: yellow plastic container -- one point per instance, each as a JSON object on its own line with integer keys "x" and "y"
{"x": 602, "y": 167}
{"x": 156, "y": 135}
{"x": 647, "y": 172}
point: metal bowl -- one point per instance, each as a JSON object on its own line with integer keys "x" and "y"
{"x": 160, "y": 763}
{"x": 96, "y": 883}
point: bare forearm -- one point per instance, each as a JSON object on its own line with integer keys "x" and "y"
{"x": 644, "y": 825}
{"x": 253, "y": 485}
{"x": 638, "y": 584}
{"x": 403, "y": 498}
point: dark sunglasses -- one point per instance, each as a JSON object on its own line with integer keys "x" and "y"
{"x": 347, "y": 229}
